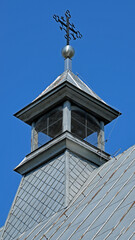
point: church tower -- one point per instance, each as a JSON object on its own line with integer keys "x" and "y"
{"x": 67, "y": 144}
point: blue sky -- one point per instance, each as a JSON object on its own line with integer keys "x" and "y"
{"x": 30, "y": 59}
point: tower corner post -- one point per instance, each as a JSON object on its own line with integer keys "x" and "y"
{"x": 66, "y": 116}
{"x": 34, "y": 137}
{"x": 101, "y": 137}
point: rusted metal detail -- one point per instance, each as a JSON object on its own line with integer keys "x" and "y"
{"x": 127, "y": 211}
{"x": 120, "y": 220}
{"x": 129, "y": 226}
{"x": 99, "y": 175}
{"x": 110, "y": 215}
{"x": 53, "y": 231}
{"x": 100, "y": 201}
{"x": 83, "y": 194}
{"x": 43, "y": 237}
{"x": 40, "y": 229}
{"x": 87, "y": 195}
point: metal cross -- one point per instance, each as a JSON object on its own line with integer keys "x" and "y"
{"x": 67, "y": 27}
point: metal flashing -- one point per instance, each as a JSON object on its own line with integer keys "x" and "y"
{"x": 67, "y": 87}
{"x": 58, "y": 145}
{"x": 70, "y": 77}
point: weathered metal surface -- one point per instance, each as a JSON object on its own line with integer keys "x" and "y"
{"x": 46, "y": 190}
{"x": 40, "y": 195}
{"x": 67, "y": 86}
{"x": 74, "y": 80}
{"x": 103, "y": 209}
{"x": 66, "y": 178}
{"x": 101, "y": 137}
{"x": 80, "y": 170}
{"x": 34, "y": 138}
{"x": 66, "y": 116}
{"x": 1, "y": 230}
{"x": 56, "y": 147}
{"x": 67, "y": 64}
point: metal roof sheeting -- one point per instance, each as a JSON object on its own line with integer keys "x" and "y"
{"x": 40, "y": 195}
{"x": 1, "y": 229}
{"x": 45, "y": 191}
{"x": 103, "y": 209}
{"x": 73, "y": 79}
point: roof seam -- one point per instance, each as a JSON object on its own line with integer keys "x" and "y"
{"x": 98, "y": 204}
{"x": 10, "y": 212}
{"x": 81, "y": 201}
{"x": 120, "y": 220}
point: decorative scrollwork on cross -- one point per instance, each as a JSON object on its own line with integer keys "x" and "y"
{"x": 67, "y": 27}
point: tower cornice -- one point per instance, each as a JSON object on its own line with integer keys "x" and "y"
{"x": 65, "y": 141}
{"x": 66, "y": 90}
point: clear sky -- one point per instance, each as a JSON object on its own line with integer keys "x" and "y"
{"x": 30, "y": 59}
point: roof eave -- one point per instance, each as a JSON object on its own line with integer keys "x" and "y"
{"x": 57, "y": 95}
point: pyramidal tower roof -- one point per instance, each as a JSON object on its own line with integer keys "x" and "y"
{"x": 67, "y": 86}
{"x": 70, "y": 77}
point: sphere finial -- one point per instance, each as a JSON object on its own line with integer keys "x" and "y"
{"x": 68, "y": 52}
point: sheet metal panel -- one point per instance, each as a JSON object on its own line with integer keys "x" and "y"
{"x": 127, "y": 231}
{"x": 74, "y": 80}
{"x": 40, "y": 196}
{"x": 97, "y": 212}
{"x": 102, "y": 209}
{"x": 79, "y": 172}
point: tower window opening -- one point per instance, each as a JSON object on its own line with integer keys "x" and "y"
{"x": 84, "y": 125}
{"x": 48, "y": 126}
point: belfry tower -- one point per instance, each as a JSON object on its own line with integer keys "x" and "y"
{"x": 67, "y": 144}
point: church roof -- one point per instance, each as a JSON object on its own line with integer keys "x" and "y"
{"x": 70, "y": 77}
{"x": 104, "y": 207}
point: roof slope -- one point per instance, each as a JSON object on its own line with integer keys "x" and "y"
{"x": 43, "y": 192}
{"x": 40, "y": 195}
{"x": 1, "y": 229}
{"x": 103, "y": 209}
{"x": 73, "y": 79}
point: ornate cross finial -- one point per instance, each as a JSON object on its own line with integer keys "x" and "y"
{"x": 67, "y": 27}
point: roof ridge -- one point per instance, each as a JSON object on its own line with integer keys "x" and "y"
{"x": 73, "y": 79}
{"x": 83, "y": 83}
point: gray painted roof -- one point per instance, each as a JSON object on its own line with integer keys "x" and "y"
{"x": 1, "y": 229}
{"x": 42, "y": 192}
{"x": 73, "y": 79}
{"x": 104, "y": 208}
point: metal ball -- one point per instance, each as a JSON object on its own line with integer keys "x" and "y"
{"x": 68, "y": 51}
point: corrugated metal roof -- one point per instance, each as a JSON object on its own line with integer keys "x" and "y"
{"x": 73, "y": 79}
{"x": 104, "y": 208}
